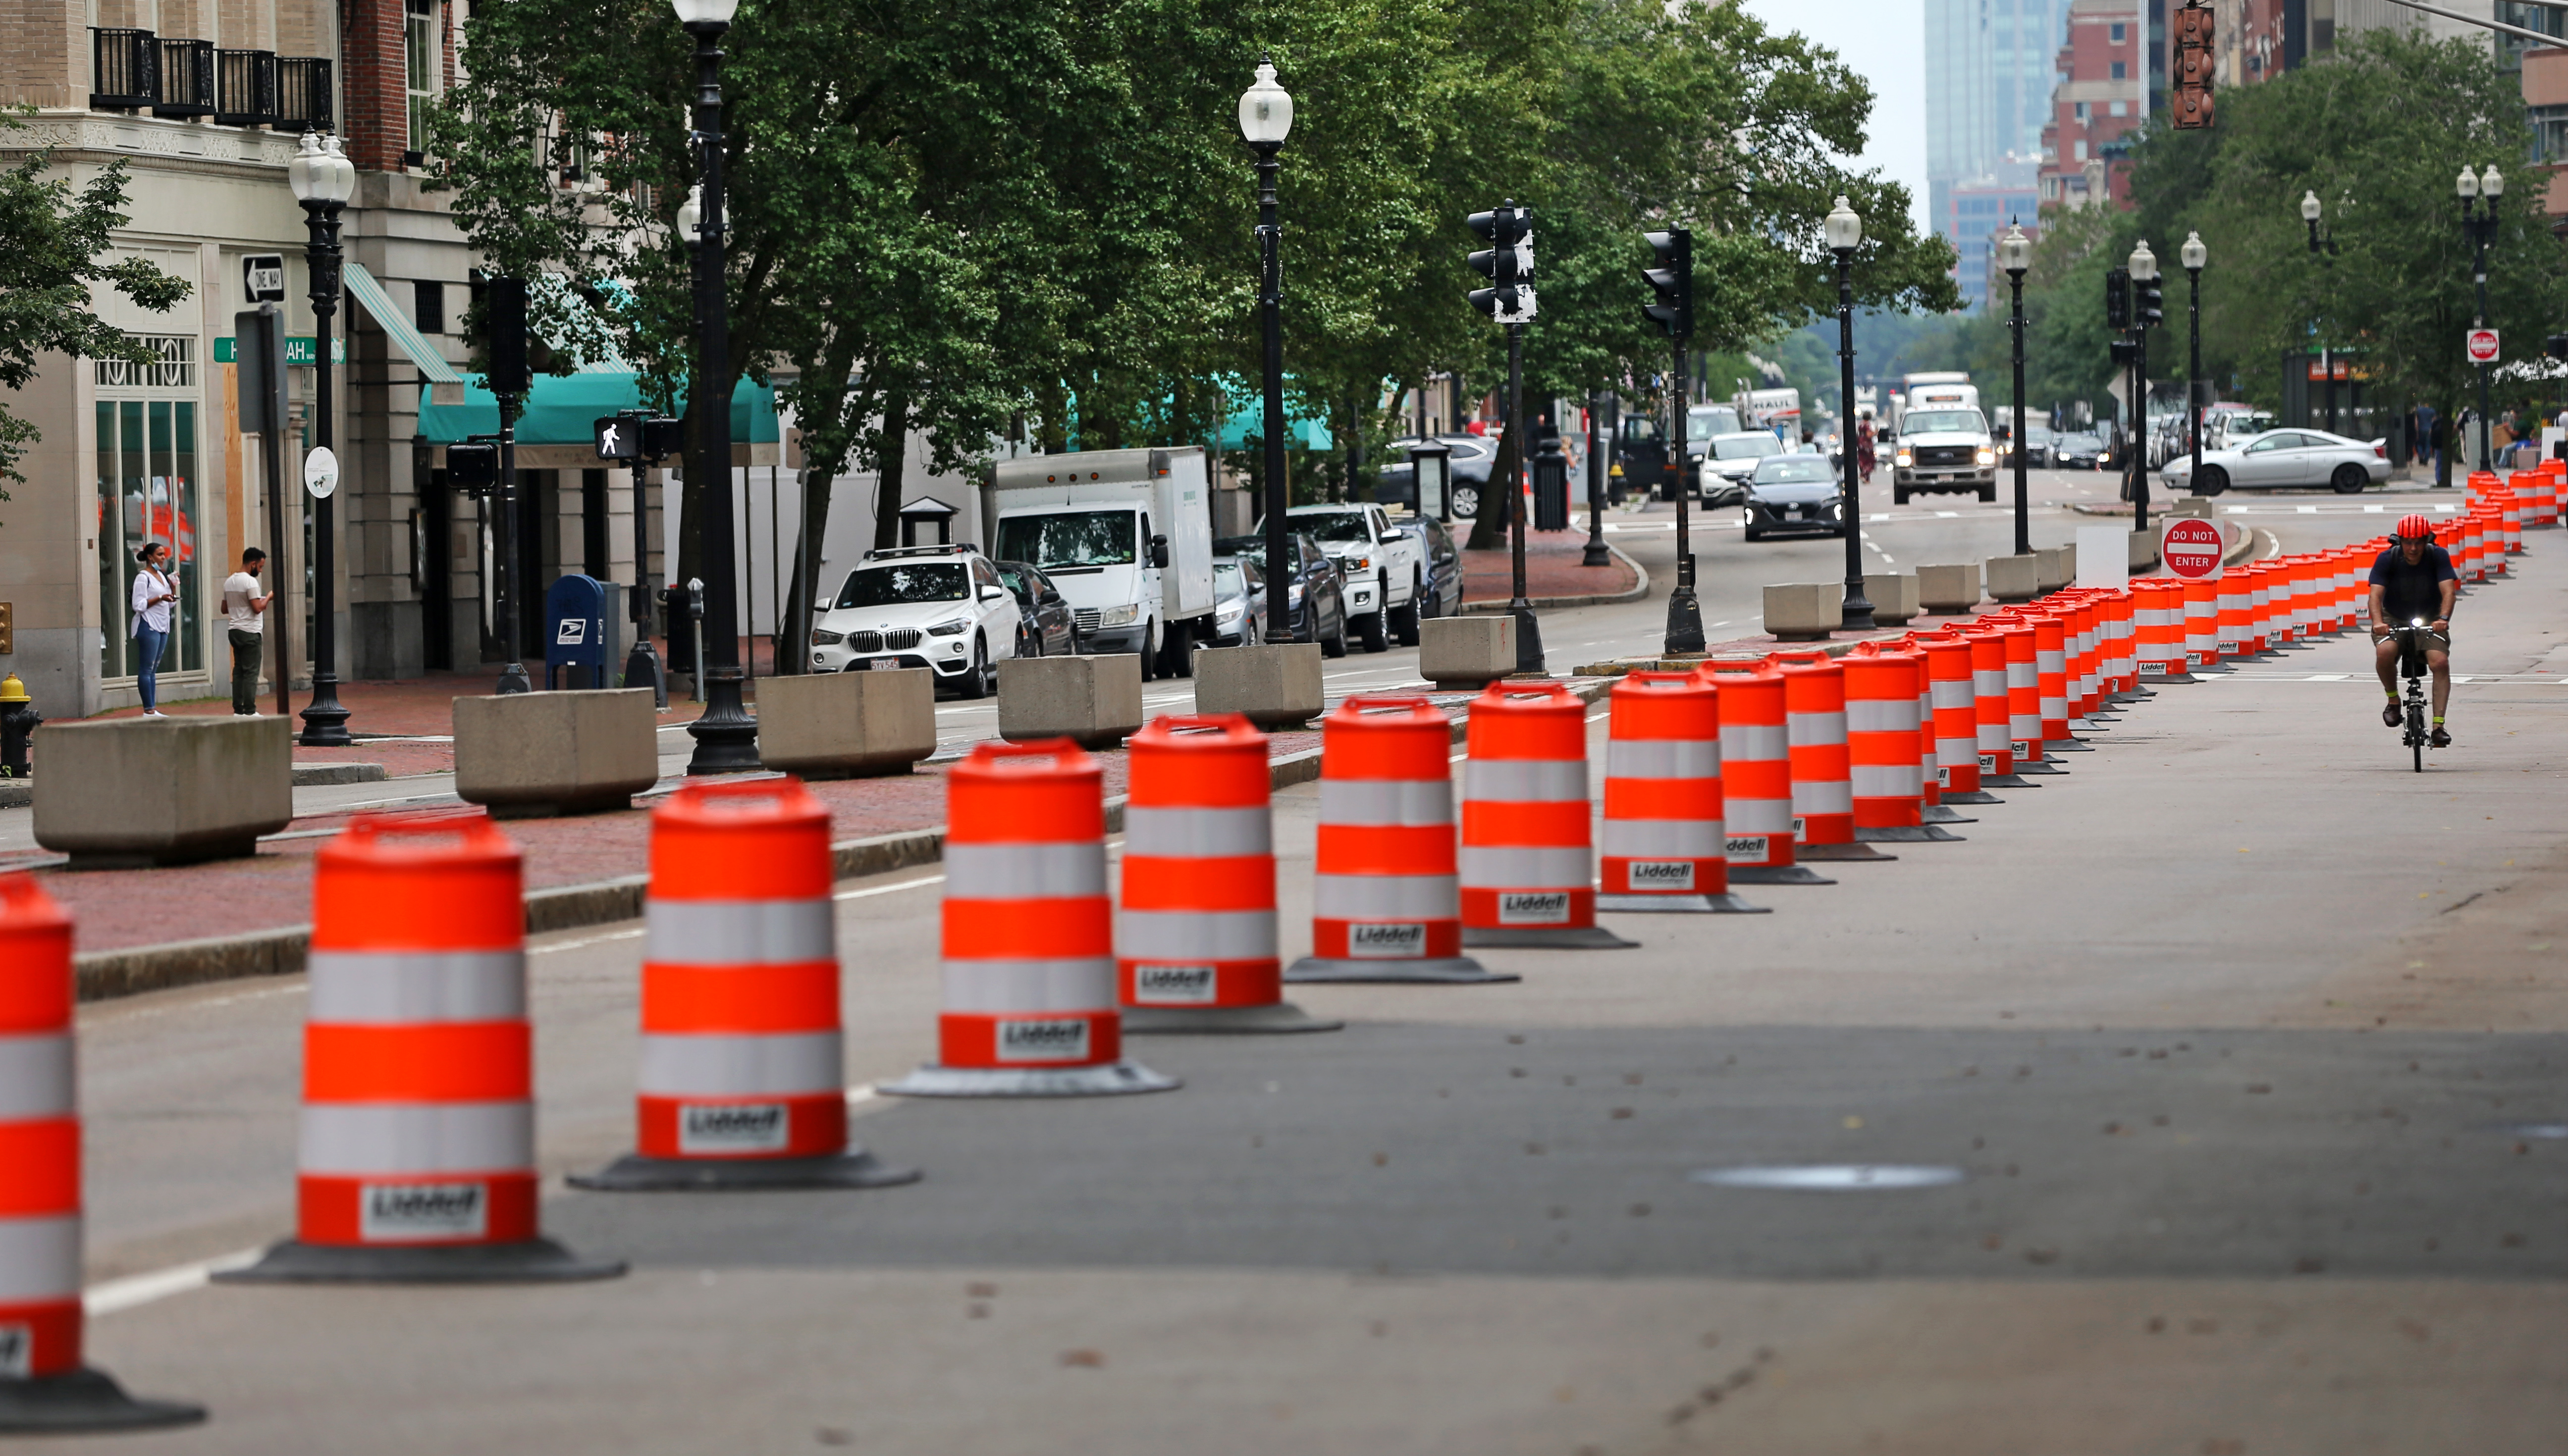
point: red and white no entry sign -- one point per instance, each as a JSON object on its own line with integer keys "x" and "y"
{"x": 2481, "y": 344}
{"x": 2190, "y": 547}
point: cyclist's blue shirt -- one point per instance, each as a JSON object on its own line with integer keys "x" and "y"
{"x": 2410, "y": 592}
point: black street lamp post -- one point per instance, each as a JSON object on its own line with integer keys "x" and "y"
{"x": 2479, "y": 223}
{"x": 2143, "y": 265}
{"x": 2323, "y": 248}
{"x": 1844, "y": 232}
{"x": 323, "y": 179}
{"x": 1597, "y": 553}
{"x": 1265, "y": 119}
{"x": 2015, "y": 255}
{"x": 726, "y": 736}
{"x": 2194, "y": 255}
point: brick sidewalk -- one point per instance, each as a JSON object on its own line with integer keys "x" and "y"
{"x": 1551, "y": 570}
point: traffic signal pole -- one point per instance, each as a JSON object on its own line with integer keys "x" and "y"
{"x": 1528, "y": 631}
{"x": 1509, "y": 299}
{"x": 1673, "y": 279}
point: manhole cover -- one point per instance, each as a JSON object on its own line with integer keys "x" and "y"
{"x": 1832, "y": 1177}
{"x": 2539, "y": 1130}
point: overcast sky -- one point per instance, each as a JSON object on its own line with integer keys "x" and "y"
{"x": 1885, "y": 42}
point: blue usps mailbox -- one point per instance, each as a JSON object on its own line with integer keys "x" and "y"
{"x": 579, "y": 632}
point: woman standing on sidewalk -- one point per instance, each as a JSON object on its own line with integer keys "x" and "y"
{"x": 152, "y": 595}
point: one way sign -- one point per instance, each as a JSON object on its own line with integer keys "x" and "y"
{"x": 618, "y": 438}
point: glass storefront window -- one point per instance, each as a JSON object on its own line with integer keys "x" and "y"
{"x": 147, "y": 491}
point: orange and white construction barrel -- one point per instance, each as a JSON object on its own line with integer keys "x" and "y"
{"x": 1886, "y": 744}
{"x": 743, "y": 1082}
{"x": 418, "y": 1157}
{"x": 1756, "y": 773}
{"x": 1385, "y": 899}
{"x": 1663, "y": 845}
{"x": 1194, "y": 937}
{"x": 1529, "y": 867}
{"x": 45, "y": 1385}
{"x": 1027, "y": 933}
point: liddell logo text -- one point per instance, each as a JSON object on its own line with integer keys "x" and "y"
{"x": 1385, "y": 942}
{"x": 1988, "y": 763}
{"x": 1064, "y": 1039}
{"x": 1533, "y": 907}
{"x": 1172, "y": 984}
{"x": 732, "y": 1128}
{"x": 1745, "y": 848}
{"x": 392, "y": 1213}
{"x": 17, "y": 1351}
{"x": 1660, "y": 874}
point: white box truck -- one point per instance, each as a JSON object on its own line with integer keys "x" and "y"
{"x": 1127, "y": 534}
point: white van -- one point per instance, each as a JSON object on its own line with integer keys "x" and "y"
{"x": 1126, "y": 536}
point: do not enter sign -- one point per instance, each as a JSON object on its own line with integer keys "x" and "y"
{"x": 2190, "y": 548}
{"x": 2481, "y": 344}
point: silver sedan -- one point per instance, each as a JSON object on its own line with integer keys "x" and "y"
{"x": 2283, "y": 459}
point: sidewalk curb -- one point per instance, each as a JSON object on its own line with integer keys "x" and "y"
{"x": 1601, "y": 599}
{"x": 104, "y": 974}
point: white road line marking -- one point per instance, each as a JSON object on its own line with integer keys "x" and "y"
{"x": 586, "y": 940}
{"x": 1948, "y": 515}
{"x": 134, "y": 1291}
{"x": 2329, "y": 676}
{"x": 873, "y": 890}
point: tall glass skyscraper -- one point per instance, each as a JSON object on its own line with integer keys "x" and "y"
{"x": 1989, "y": 73}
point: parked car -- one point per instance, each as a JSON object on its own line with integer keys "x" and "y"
{"x": 2037, "y": 441}
{"x": 1385, "y": 566}
{"x": 1474, "y": 458}
{"x": 1316, "y": 600}
{"x": 2285, "y": 459}
{"x": 2225, "y": 425}
{"x": 1050, "y": 627}
{"x": 1443, "y": 596}
{"x": 2080, "y": 451}
{"x": 1239, "y": 596}
{"x": 1794, "y": 494}
{"x": 942, "y": 608}
{"x": 1728, "y": 462}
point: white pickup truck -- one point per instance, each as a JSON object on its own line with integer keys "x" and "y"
{"x": 1385, "y": 568}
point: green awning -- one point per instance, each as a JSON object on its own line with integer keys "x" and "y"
{"x": 563, "y": 409}
{"x": 413, "y": 345}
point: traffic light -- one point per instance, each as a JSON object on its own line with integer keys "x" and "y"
{"x": 472, "y": 466}
{"x": 2149, "y": 298}
{"x": 2118, "y": 299}
{"x": 2191, "y": 100}
{"x": 1673, "y": 278}
{"x": 1507, "y": 263}
{"x": 2556, "y": 346}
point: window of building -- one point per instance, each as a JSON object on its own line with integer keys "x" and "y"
{"x": 2082, "y": 112}
{"x": 2118, "y": 71}
{"x": 2118, "y": 27}
{"x": 422, "y": 70}
{"x": 2121, "y": 109}
{"x": 2082, "y": 152}
{"x": 428, "y": 307}
{"x": 147, "y": 491}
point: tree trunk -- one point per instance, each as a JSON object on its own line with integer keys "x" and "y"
{"x": 891, "y": 457}
{"x": 1489, "y": 525}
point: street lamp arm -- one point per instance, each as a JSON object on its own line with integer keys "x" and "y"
{"x": 2495, "y": 25}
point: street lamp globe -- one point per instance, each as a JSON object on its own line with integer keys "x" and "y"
{"x": 2144, "y": 263}
{"x": 2310, "y": 207}
{"x": 691, "y": 215}
{"x": 315, "y": 175}
{"x": 2015, "y": 251}
{"x": 2467, "y": 184}
{"x": 715, "y": 13}
{"x": 1266, "y": 110}
{"x": 2493, "y": 185}
{"x": 2193, "y": 252}
{"x": 1843, "y": 228}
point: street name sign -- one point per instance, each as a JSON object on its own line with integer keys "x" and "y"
{"x": 2190, "y": 547}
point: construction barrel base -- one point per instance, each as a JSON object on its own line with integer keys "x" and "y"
{"x": 635, "y": 1173}
{"x": 1835, "y": 853}
{"x": 84, "y": 1400}
{"x": 1976, "y": 796}
{"x": 535, "y": 1260}
{"x": 1939, "y": 814}
{"x": 1431, "y": 970}
{"x": 1565, "y": 937}
{"x": 1110, "y": 1080}
{"x": 1907, "y": 834}
{"x": 1776, "y": 874}
{"x": 1279, "y": 1017}
{"x": 1684, "y": 904}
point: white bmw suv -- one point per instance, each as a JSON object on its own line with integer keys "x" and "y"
{"x": 942, "y": 608}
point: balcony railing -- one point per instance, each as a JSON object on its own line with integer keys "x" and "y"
{"x": 124, "y": 69}
{"x": 245, "y": 94}
{"x": 303, "y": 94}
{"x": 186, "y": 79}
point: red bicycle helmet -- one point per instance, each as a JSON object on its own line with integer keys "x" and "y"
{"x": 2415, "y": 526}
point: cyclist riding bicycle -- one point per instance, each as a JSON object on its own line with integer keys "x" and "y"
{"x": 2411, "y": 581}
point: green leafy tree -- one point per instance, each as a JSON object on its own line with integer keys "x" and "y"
{"x": 55, "y": 260}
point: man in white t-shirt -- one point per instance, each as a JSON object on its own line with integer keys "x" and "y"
{"x": 241, "y": 608}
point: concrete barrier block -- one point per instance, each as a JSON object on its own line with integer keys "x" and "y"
{"x": 1091, "y": 700}
{"x": 2197, "y": 506}
{"x": 846, "y": 725}
{"x": 2143, "y": 552}
{"x": 138, "y": 791}
{"x": 1271, "y": 686}
{"x": 2053, "y": 567}
{"x": 1893, "y": 596}
{"x": 1948, "y": 590}
{"x": 1804, "y": 611}
{"x": 1466, "y": 652}
{"x": 2015, "y": 578}
{"x": 533, "y": 755}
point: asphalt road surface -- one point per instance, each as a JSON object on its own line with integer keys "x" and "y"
{"x": 2238, "y": 1050}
